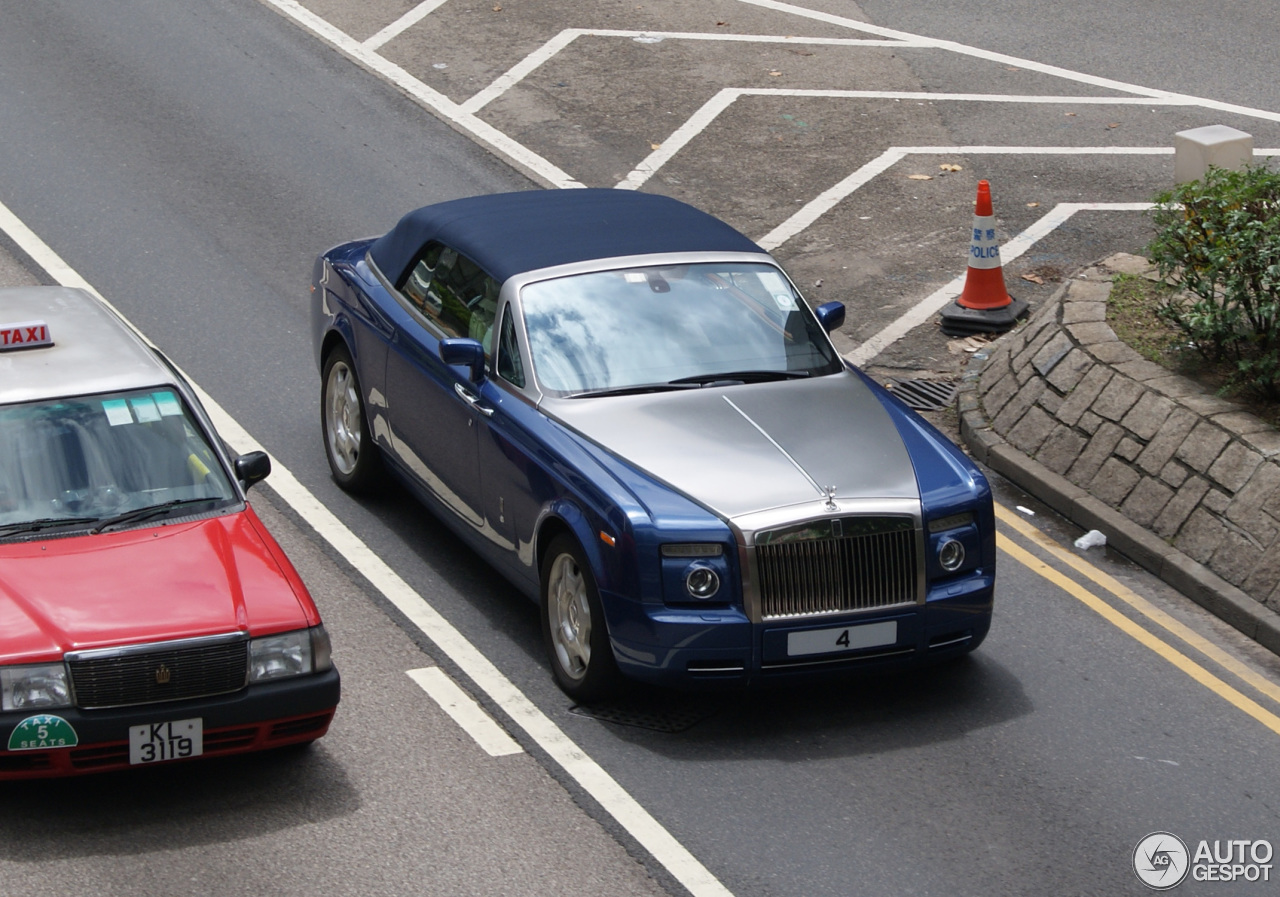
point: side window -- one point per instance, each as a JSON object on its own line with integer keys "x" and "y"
{"x": 508, "y": 365}
{"x": 455, "y": 293}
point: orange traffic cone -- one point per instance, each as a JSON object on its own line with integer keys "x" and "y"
{"x": 984, "y": 306}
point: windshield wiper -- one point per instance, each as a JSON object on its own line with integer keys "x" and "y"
{"x": 741, "y": 377}
{"x": 34, "y": 526}
{"x": 150, "y": 511}
{"x": 632, "y": 390}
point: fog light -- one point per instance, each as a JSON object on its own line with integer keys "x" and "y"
{"x": 702, "y": 582}
{"x": 951, "y": 555}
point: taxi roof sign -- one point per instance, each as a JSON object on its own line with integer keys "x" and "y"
{"x": 24, "y": 335}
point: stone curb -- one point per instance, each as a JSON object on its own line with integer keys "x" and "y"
{"x": 1129, "y": 439}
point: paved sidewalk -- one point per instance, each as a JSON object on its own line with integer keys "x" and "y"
{"x": 1182, "y": 482}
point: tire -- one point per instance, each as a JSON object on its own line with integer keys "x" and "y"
{"x": 573, "y": 625}
{"x": 348, "y": 445}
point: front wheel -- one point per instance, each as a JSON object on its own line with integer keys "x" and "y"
{"x": 348, "y": 445}
{"x": 573, "y": 625}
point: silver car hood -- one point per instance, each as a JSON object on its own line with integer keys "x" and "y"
{"x": 744, "y": 449}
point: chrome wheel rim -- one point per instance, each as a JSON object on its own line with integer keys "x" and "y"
{"x": 569, "y": 613}
{"x": 342, "y": 418}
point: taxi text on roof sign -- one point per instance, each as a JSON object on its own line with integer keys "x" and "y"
{"x": 28, "y": 334}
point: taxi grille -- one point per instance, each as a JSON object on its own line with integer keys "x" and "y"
{"x": 865, "y": 564}
{"x": 153, "y": 674}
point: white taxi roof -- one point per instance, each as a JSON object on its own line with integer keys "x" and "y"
{"x": 92, "y": 350}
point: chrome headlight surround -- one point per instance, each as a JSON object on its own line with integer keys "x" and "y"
{"x": 39, "y": 686}
{"x": 694, "y": 572}
{"x": 288, "y": 654}
{"x": 953, "y": 539}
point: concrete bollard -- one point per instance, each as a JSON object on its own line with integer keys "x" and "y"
{"x": 1195, "y": 150}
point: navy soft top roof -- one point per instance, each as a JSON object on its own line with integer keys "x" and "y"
{"x": 510, "y": 233}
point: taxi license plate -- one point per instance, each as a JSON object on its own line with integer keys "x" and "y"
{"x": 842, "y": 638}
{"x": 172, "y": 740}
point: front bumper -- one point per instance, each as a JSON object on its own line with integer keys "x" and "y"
{"x": 684, "y": 648}
{"x": 268, "y": 715}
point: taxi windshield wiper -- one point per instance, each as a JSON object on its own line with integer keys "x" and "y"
{"x": 34, "y": 526}
{"x": 740, "y": 377}
{"x": 151, "y": 511}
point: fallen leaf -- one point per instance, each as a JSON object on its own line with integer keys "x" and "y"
{"x": 655, "y": 146}
{"x": 497, "y": 9}
{"x": 1034, "y": 278}
{"x": 1012, "y": 68}
{"x": 1032, "y": 205}
{"x": 722, "y": 24}
{"x": 1114, "y": 124}
{"x": 774, "y": 74}
{"x": 1072, "y": 114}
{"x": 946, "y": 166}
{"x": 800, "y": 52}
{"x": 818, "y": 282}
{"x": 920, "y": 177}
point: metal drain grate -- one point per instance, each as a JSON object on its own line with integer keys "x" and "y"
{"x": 925, "y": 395}
{"x": 657, "y": 717}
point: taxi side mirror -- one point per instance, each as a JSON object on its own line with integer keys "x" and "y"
{"x": 252, "y": 467}
{"x": 466, "y": 353}
{"x": 830, "y": 315}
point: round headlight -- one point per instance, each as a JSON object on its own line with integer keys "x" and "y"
{"x": 951, "y": 555}
{"x": 702, "y": 582}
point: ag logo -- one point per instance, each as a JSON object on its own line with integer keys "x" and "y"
{"x": 1161, "y": 861}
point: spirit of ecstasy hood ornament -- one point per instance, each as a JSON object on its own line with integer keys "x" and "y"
{"x": 831, "y": 499}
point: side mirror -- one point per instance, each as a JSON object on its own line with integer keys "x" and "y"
{"x": 252, "y": 467}
{"x": 830, "y": 315}
{"x": 466, "y": 353}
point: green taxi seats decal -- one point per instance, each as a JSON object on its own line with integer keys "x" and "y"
{"x": 41, "y": 733}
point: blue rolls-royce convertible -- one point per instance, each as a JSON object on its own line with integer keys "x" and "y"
{"x": 627, "y": 408}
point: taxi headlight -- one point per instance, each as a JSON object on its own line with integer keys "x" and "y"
{"x": 289, "y": 654}
{"x": 34, "y": 687}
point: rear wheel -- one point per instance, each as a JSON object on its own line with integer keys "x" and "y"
{"x": 348, "y": 445}
{"x": 573, "y": 626}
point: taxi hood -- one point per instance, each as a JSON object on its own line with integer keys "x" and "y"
{"x": 183, "y": 580}
{"x": 754, "y": 447}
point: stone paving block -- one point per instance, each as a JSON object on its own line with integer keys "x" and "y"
{"x": 1088, "y": 291}
{"x": 1068, "y": 372}
{"x": 1236, "y": 558}
{"x": 1012, "y": 412}
{"x": 1129, "y": 448}
{"x": 1216, "y": 501}
{"x": 1148, "y": 498}
{"x": 1113, "y": 482}
{"x": 1180, "y": 507}
{"x": 1054, "y": 351}
{"x": 1114, "y": 352}
{"x": 1263, "y": 580}
{"x": 1147, "y": 416}
{"x": 1174, "y": 474}
{"x": 1207, "y": 405}
{"x": 1162, "y": 447}
{"x": 993, "y": 371}
{"x": 1200, "y": 536}
{"x": 1050, "y": 401}
{"x": 1241, "y": 423}
{"x": 1174, "y": 386}
{"x": 1247, "y": 507}
{"x": 1117, "y": 397}
{"x": 1080, "y": 398}
{"x": 1061, "y": 449}
{"x": 1089, "y": 422}
{"x": 1141, "y": 370}
{"x": 1202, "y": 446}
{"x": 1234, "y": 466}
{"x": 1032, "y": 430}
{"x": 994, "y": 400}
{"x": 1091, "y": 334}
{"x": 1084, "y": 312}
{"x": 1266, "y": 444}
{"x": 1095, "y": 454}
{"x": 1022, "y": 360}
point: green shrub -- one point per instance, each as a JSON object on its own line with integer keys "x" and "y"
{"x": 1218, "y": 239}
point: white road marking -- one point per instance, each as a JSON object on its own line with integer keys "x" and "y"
{"x": 590, "y": 776}
{"x": 465, "y": 712}
{"x": 402, "y": 24}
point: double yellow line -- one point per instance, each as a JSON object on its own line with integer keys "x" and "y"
{"x": 1146, "y": 609}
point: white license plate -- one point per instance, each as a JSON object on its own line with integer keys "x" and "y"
{"x": 172, "y": 740}
{"x": 843, "y": 638}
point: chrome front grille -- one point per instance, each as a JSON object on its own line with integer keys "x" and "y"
{"x": 163, "y": 671}
{"x": 835, "y": 566}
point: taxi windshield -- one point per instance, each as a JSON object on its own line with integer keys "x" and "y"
{"x": 671, "y": 325}
{"x": 85, "y": 459}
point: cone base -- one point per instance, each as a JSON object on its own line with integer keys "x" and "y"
{"x": 957, "y": 320}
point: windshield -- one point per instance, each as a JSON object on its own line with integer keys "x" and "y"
{"x": 646, "y": 326}
{"x": 94, "y": 457}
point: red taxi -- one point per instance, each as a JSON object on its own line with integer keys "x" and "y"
{"x": 146, "y": 614}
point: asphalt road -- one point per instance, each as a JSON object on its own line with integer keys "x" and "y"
{"x": 190, "y": 160}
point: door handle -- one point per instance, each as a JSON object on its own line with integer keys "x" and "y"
{"x": 472, "y": 399}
